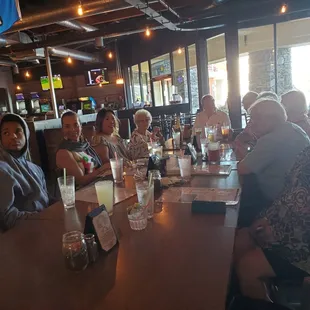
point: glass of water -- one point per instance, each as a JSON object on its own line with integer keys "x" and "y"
{"x": 117, "y": 169}
{"x": 185, "y": 165}
{"x": 67, "y": 191}
{"x": 145, "y": 193}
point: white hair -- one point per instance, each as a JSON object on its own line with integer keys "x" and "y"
{"x": 142, "y": 112}
{"x": 269, "y": 109}
{"x": 295, "y": 102}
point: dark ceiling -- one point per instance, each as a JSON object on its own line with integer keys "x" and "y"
{"x": 117, "y": 19}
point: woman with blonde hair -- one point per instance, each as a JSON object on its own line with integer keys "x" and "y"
{"x": 107, "y": 142}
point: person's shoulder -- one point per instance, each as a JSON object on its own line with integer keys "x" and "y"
{"x": 98, "y": 139}
{"x": 34, "y": 167}
{"x": 5, "y": 167}
{"x": 63, "y": 153}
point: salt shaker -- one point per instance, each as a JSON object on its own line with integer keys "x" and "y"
{"x": 92, "y": 248}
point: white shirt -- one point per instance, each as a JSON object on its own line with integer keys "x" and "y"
{"x": 202, "y": 120}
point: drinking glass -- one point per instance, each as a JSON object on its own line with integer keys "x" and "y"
{"x": 185, "y": 165}
{"x": 176, "y": 136}
{"x": 214, "y": 152}
{"x": 117, "y": 169}
{"x": 67, "y": 191}
{"x": 151, "y": 146}
{"x": 74, "y": 250}
{"x": 137, "y": 217}
{"x": 105, "y": 195}
{"x": 204, "y": 148}
{"x": 225, "y": 132}
{"x": 145, "y": 193}
{"x": 158, "y": 150}
{"x": 211, "y": 134}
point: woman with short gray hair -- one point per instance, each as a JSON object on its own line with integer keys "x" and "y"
{"x": 137, "y": 146}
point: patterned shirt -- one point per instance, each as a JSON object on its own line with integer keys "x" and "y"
{"x": 137, "y": 146}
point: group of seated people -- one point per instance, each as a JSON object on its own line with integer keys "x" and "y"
{"x": 24, "y": 188}
{"x": 274, "y": 160}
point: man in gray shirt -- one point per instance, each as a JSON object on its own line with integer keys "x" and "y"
{"x": 276, "y": 150}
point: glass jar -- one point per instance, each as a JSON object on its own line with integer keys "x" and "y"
{"x": 74, "y": 250}
{"x": 92, "y": 248}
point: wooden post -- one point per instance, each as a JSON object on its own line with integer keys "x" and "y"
{"x": 232, "y": 59}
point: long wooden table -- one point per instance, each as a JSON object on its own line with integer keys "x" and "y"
{"x": 181, "y": 261}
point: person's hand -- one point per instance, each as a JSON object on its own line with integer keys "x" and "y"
{"x": 262, "y": 232}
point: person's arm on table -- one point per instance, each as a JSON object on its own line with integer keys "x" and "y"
{"x": 261, "y": 157}
{"x": 65, "y": 160}
{"x": 9, "y": 213}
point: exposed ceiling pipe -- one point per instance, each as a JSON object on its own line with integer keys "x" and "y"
{"x": 143, "y": 7}
{"x": 162, "y": 2}
{"x": 77, "y": 25}
{"x": 49, "y": 17}
{"x": 74, "y": 54}
{"x": 9, "y": 63}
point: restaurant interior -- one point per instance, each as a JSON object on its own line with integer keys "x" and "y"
{"x": 162, "y": 56}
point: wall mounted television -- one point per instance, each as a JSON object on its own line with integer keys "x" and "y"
{"x": 97, "y": 76}
{"x": 57, "y": 81}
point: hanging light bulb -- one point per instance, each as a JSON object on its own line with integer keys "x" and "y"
{"x": 179, "y": 50}
{"x": 283, "y": 9}
{"x": 110, "y": 55}
{"x": 18, "y": 87}
{"x": 27, "y": 74}
{"x": 69, "y": 60}
{"x": 80, "y": 10}
{"x": 148, "y": 32}
{"x": 120, "y": 81}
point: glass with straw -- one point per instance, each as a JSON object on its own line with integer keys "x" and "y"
{"x": 117, "y": 168}
{"x": 145, "y": 193}
{"x": 67, "y": 190}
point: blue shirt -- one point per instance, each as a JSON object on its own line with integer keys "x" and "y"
{"x": 274, "y": 155}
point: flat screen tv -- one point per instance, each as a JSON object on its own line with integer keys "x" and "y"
{"x": 97, "y": 76}
{"x": 57, "y": 81}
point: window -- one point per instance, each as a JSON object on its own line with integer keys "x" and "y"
{"x": 136, "y": 85}
{"x": 180, "y": 74}
{"x": 256, "y": 59}
{"x": 161, "y": 75}
{"x": 217, "y": 70}
{"x": 193, "y": 78}
{"x": 146, "y": 83}
{"x": 293, "y": 50}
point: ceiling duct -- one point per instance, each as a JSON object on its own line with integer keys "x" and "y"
{"x": 77, "y": 25}
{"x": 48, "y": 17}
{"x": 74, "y": 54}
{"x": 9, "y": 63}
{"x": 15, "y": 38}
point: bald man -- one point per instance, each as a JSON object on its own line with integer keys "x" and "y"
{"x": 248, "y": 99}
{"x": 296, "y": 107}
{"x": 210, "y": 116}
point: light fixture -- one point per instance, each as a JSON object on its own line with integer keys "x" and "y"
{"x": 283, "y": 9}
{"x": 110, "y": 55}
{"x": 80, "y": 9}
{"x": 147, "y": 32}
{"x": 18, "y": 87}
{"x": 179, "y": 50}
{"x": 69, "y": 60}
{"x": 120, "y": 81}
{"x": 27, "y": 74}
{"x": 119, "y": 77}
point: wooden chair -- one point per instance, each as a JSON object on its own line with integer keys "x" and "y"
{"x": 52, "y": 138}
{"x": 124, "y": 128}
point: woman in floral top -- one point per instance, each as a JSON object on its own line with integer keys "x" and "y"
{"x": 138, "y": 147}
{"x": 278, "y": 244}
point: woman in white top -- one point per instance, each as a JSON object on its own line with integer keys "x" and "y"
{"x": 137, "y": 146}
{"x": 210, "y": 115}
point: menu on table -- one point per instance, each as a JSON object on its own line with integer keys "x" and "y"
{"x": 188, "y": 194}
{"x": 88, "y": 194}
